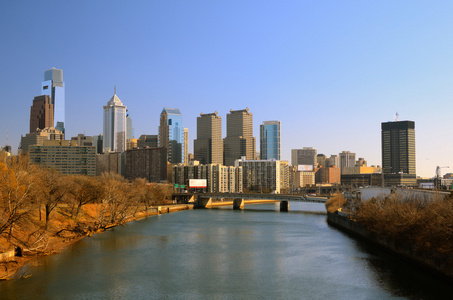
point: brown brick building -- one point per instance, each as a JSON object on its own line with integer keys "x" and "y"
{"x": 41, "y": 113}
{"x": 148, "y": 163}
{"x": 328, "y": 175}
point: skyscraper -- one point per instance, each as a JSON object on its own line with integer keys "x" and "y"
{"x": 208, "y": 146}
{"x": 114, "y": 133}
{"x": 53, "y": 86}
{"x": 270, "y": 140}
{"x": 171, "y": 134}
{"x": 129, "y": 129}
{"x": 347, "y": 160}
{"x": 304, "y": 156}
{"x": 186, "y": 145}
{"x": 41, "y": 113}
{"x": 398, "y": 147}
{"x": 239, "y": 140}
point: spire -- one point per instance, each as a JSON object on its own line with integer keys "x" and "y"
{"x": 115, "y": 90}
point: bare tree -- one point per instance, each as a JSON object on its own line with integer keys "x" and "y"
{"x": 83, "y": 190}
{"x": 53, "y": 188}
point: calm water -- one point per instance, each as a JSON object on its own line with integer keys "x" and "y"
{"x": 224, "y": 254}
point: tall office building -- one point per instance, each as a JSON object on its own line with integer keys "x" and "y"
{"x": 347, "y": 160}
{"x": 186, "y": 145}
{"x": 270, "y": 140}
{"x": 208, "y": 146}
{"x": 53, "y": 86}
{"x": 129, "y": 129}
{"x": 171, "y": 134}
{"x": 41, "y": 113}
{"x": 114, "y": 129}
{"x": 304, "y": 156}
{"x": 398, "y": 147}
{"x": 239, "y": 141}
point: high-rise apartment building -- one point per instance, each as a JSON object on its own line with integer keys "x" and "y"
{"x": 53, "y": 86}
{"x": 64, "y": 157}
{"x": 171, "y": 134}
{"x": 262, "y": 175}
{"x": 270, "y": 140}
{"x": 41, "y": 113}
{"x": 114, "y": 129}
{"x": 347, "y": 160}
{"x": 239, "y": 141}
{"x": 398, "y": 147}
{"x": 208, "y": 146}
{"x": 304, "y": 156}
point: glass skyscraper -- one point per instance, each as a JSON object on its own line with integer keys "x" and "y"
{"x": 171, "y": 134}
{"x": 114, "y": 129}
{"x": 53, "y": 86}
{"x": 270, "y": 140}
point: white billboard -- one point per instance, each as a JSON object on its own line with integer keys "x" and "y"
{"x": 304, "y": 167}
{"x": 197, "y": 183}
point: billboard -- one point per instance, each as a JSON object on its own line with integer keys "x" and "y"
{"x": 304, "y": 167}
{"x": 197, "y": 183}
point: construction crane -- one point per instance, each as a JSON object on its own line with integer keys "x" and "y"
{"x": 438, "y": 175}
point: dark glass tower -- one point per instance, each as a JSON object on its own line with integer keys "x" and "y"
{"x": 398, "y": 147}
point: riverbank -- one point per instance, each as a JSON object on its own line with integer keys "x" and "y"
{"x": 439, "y": 264}
{"x": 62, "y": 232}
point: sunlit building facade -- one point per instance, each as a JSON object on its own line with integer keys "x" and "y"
{"x": 114, "y": 129}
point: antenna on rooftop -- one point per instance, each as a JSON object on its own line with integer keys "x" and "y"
{"x": 396, "y": 117}
{"x": 7, "y": 144}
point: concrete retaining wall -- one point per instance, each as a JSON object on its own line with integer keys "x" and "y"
{"x": 439, "y": 264}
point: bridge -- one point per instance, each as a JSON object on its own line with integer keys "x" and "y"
{"x": 238, "y": 200}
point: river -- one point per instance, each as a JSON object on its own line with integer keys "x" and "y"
{"x": 258, "y": 253}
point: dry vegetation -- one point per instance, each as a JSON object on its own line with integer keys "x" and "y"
{"x": 334, "y": 203}
{"x": 426, "y": 225}
{"x": 42, "y": 210}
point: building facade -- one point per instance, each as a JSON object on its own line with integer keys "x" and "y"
{"x": 39, "y": 136}
{"x": 148, "y": 163}
{"x": 270, "y": 140}
{"x": 114, "y": 129}
{"x": 171, "y": 134}
{"x": 53, "y": 86}
{"x": 63, "y": 157}
{"x": 41, "y": 113}
{"x": 347, "y": 160}
{"x": 148, "y": 140}
{"x": 219, "y": 178}
{"x": 186, "y": 145}
{"x": 208, "y": 146}
{"x": 260, "y": 175}
{"x": 329, "y": 175}
{"x": 304, "y": 156}
{"x": 239, "y": 141}
{"x": 398, "y": 147}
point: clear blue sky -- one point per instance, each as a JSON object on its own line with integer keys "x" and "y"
{"x": 330, "y": 71}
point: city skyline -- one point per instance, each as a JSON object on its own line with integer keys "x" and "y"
{"x": 331, "y": 73}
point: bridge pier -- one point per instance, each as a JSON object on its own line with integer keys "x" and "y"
{"x": 238, "y": 203}
{"x": 284, "y": 206}
{"x": 203, "y": 202}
